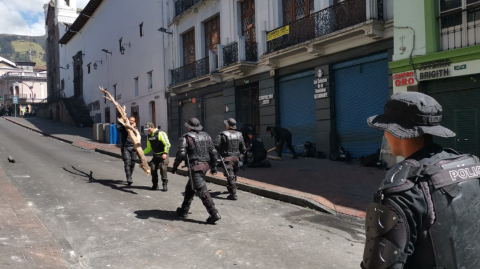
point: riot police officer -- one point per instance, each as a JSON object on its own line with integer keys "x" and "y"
{"x": 231, "y": 146}
{"x": 426, "y": 211}
{"x": 197, "y": 146}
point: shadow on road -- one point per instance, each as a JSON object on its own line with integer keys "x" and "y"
{"x": 217, "y": 194}
{"x": 106, "y": 182}
{"x": 165, "y": 215}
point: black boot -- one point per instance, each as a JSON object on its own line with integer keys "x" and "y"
{"x": 165, "y": 188}
{"x": 154, "y": 187}
{"x": 213, "y": 218}
{"x": 182, "y": 212}
{"x": 232, "y": 196}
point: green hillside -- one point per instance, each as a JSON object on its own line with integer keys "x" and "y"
{"x": 17, "y": 48}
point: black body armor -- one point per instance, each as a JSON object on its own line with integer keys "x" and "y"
{"x": 233, "y": 143}
{"x": 451, "y": 187}
{"x": 157, "y": 145}
{"x": 202, "y": 142}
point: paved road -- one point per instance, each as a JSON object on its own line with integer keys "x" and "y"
{"x": 101, "y": 223}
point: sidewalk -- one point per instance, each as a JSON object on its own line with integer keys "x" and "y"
{"x": 324, "y": 185}
{"x": 24, "y": 240}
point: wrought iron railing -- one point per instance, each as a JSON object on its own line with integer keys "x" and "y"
{"x": 191, "y": 71}
{"x": 20, "y": 96}
{"x": 251, "y": 51}
{"x": 183, "y": 5}
{"x": 457, "y": 30}
{"x": 60, "y": 94}
{"x": 230, "y": 54}
{"x": 323, "y": 22}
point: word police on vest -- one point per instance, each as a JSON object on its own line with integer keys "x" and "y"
{"x": 465, "y": 173}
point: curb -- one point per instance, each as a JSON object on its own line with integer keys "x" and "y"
{"x": 38, "y": 131}
{"x": 280, "y": 196}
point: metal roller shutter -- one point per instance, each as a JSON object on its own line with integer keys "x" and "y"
{"x": 214, "y": 110}
{"x": 297, "y": 107}
{"x": 188, "y": 112}
{"x": 361, "y": 90}
{"x": 460, "y": 101}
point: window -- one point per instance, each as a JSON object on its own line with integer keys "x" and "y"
{"x": 105, "y": 95}
{"x": 120, "y": 42}
{"x": 88, "y": 67}
{"x": 141, "y": 30}
{"x": 149, "y": 74}
{"x": 459, "y": 21}
{"x": 212, "y": 35}
{"x": 115, "y": 92}
{"x": 189, "y": 47}
{"x": 63, "y": 84}
{"x": 297, "y": 9}
{"x": 248, "y": 20}
{"x": 136, "y": 86}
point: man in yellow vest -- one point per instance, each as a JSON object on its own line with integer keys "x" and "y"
{"x": 158, "y": 142}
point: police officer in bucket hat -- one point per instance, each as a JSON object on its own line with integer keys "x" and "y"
{"x": 426, "y": 212}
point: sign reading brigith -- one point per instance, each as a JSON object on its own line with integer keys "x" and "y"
{"x": 278, "y": 33}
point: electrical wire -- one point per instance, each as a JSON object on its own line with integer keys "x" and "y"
{"x": 410, "y": 58}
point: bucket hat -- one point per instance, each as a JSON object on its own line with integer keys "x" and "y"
{"x": 194, "y": 124}
{"x": 411, "y": 114}
{"x": 232, "y": 123}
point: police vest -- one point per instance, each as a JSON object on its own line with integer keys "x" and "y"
{"x": 202, "y": 142}
{"x": 454, "y": 193}
{"x": 233, "y": 139}
{"x": 157, "y": 145}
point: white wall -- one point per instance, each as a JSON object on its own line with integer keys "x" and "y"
{"x": 115, "y": 19}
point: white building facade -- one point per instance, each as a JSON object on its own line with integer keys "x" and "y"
{"x": 116, "y": 45}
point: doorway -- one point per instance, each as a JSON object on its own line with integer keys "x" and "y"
{"x": 107, "y": 115}
{"x": 78, "y": 75}
{"x": 151, "y": 112}
{"x": 249, "y": 112}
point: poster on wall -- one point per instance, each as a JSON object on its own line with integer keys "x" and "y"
{"x": 321, "y": 82}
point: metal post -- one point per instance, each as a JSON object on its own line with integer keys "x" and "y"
{"x": 15, "y": 110}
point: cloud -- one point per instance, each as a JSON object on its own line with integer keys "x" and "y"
{"x": 25, "y": 17}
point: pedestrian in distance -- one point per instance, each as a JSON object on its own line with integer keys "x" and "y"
{"x": 427, "y": 210}
{"x": 245, "y": 129}
{"x": 129, "y": 155}
{"x": 231, "y": 147}
{"x": 158, "y": 142}
{"x": 196, "y": 149}
{"x": 282, "y": 136}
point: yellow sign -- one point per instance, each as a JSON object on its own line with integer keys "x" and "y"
{"x": 278, "y": 33}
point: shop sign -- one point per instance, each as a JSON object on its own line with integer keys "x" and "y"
{"x": 265, "y": 97}
{"x": 321, "y": 84}
{"x": 460, "y": 67}
{"x": 440, "y": 69}
{"x": 404, "y": 79}
{"x": 266, "y": 102}
{"x": 278, "y": 33}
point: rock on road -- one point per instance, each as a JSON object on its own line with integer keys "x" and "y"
{"x": 99, "y": 222}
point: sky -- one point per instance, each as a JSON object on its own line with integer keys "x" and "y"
{"x": 25, "y": 17}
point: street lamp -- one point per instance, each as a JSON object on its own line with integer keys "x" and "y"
{"x": 163, "y": 30}
{"x": 95, "y": 64}
{"x": 68, "y": 66}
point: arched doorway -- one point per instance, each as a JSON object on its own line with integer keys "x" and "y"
{"x": 17, "y": 90}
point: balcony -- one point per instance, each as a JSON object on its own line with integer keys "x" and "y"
{"x": 318, "y": 33}
{"x": 237, "y": 58}
{"x": 9, "y": 97}
{"x": 183, "y": 5}
{"x": 191, "y": 71}
{"x": 23, "y": 76}
{"x": 460, "y": 28}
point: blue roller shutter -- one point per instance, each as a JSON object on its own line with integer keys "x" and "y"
{"x": 361, "y": 90}
{"x": 297, "y": 107}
